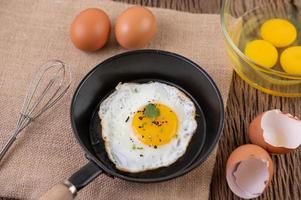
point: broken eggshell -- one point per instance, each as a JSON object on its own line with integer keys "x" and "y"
{"x": 249, "y": 170}
{"x": 275, "y": 131}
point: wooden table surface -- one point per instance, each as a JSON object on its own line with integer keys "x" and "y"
{"x": 244, "y": 104}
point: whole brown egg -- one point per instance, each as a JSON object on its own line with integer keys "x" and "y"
{"x": 135, "y": 27}
{"x": 90, "y": 29}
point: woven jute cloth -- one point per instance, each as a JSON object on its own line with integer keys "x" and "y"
{"x": 46, "y": 153}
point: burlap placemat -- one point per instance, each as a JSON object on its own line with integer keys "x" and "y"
{"x": 33, "y": 32}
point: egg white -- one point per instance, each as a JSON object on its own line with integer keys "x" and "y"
{"x": 117, "y": 111}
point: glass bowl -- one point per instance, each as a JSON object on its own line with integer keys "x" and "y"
{"x": 241, "y": 21}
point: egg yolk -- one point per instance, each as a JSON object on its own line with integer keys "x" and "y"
{"x": 262, "y": 53}
{"x": 156, "y": 131}
{"x": 290, "y": 60}
{"x": 279, "y": 32}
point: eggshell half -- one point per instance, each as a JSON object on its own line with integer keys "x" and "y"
{"x": 275, "y": 131}
{"x": 249, "y": 171}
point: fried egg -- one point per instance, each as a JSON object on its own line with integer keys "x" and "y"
{"x": 146, "y": 126}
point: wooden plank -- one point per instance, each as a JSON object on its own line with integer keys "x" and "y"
{"x": 194, "y": 6}
{"x": 243, "y": 105}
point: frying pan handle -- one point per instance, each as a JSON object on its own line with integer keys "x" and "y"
{"x": 61, "y": 191}
{"x": 68, "y": 189}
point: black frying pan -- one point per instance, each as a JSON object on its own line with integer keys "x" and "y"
{"x": 141, "y": 66}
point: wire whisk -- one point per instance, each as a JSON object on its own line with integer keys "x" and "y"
{"x": 50, "y": 84}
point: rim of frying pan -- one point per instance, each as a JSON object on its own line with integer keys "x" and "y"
{"x": 198, "y": 160}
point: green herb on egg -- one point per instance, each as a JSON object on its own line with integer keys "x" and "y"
{"x": 143, "y": 124}
{"x": 151, "y": 111}
{"x": 134, "y": 147}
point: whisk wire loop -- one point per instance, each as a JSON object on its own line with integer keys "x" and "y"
{"x": 58, "y": 78}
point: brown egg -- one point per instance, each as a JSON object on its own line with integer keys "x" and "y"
{"x": 135, "y": 27}
{"x": 90, "y": 29}
{"x": 249, "y": 171}
{"x": 275, "y": 132}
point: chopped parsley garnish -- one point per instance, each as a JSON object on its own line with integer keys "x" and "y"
{"x": 134, "y": 147}
{"x": 151, "y": 111}
{"x": 143, "y": 124}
